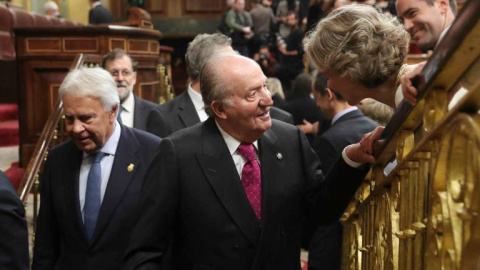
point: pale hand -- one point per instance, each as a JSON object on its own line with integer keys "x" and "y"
{"x": 362, "y": 152}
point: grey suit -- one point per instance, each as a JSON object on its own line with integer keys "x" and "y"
{"x": 60, "y": 237}
{"x": 193, "y": 190}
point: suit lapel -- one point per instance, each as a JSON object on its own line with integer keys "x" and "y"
{"x": 120, "y": 178}
{"x": 187, "y": 113}
{"x": 139, "y": 115}
{"x": 219, "y": 169}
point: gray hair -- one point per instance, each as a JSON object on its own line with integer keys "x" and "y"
{"x": 91, "y": 82}
{"x": 50, "y": 5}
{"x": 201, "y": 49}
{"x": 212, "y": 84}
{"x": 359, "y": 42}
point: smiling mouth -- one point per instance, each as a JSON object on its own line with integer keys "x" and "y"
{"x": 266, "y": 114}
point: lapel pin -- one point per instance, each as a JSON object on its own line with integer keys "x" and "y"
{"x": 130, "y": 167}
{"x": 279, "y": 156}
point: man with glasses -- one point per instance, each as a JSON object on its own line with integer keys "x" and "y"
{"x": 133, "y": 110}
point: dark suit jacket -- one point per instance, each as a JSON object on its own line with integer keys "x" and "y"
{"x": 60, "y": 241}
{"x": 326, "y": 244}
{"x": 13, "y": 228}
{"x": 180, "y": 113}
{"x": 140, "y": 115}
{"x": 173, "y": 115}
{"x": 99, "y": 14}
{"x": 193, "y": 190}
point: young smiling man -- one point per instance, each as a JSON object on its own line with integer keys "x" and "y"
{"x": 427, "y": 21}
{"x": 232, "y": 189}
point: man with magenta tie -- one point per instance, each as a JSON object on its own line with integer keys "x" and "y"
{"x": 232, "y": 190}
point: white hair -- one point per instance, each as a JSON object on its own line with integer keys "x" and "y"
{"x": 91, "y": 82}
{"x": 50, "y": 5}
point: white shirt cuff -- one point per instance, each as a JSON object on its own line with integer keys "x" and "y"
{"x": 350, "y": 162}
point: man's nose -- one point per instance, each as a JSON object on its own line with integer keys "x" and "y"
{"x": 78, "y": 126}
{"x": 266, "y": 98}
{"x": 407, "y": 24}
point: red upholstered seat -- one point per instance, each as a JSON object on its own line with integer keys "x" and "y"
{"x": 41, "y": 20}
{"x": 56, "y": 22}
{"x": 7, "y": 51}
{"x": 21, "y": 18}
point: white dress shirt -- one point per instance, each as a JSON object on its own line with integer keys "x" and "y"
{"x": 342, "y": 113}
{"x": 233, "y": 145}
{"x": 197, "y": 103}
{"x": 128, "y": 110}
{"x": 106, "y": 163}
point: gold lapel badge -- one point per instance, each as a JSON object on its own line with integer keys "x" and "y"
{"x": 130, "y": 167}
{"x": 279, "y": 156}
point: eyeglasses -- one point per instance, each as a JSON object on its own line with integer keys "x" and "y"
{"x": 125, "y": 72}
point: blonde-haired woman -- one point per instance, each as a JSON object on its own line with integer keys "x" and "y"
{"x": 362, "y": 52}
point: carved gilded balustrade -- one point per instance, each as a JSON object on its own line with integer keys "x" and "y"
{"x": 424, "y": 214}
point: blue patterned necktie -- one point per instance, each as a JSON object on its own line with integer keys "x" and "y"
{"x": 119, "y": 118}
{"x": 92, "y": 195}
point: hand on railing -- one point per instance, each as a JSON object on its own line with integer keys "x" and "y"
{"x": 409, "y": 91}
{"x": 362, "y": 152}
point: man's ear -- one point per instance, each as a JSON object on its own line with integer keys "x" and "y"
{"x": 113, "y": 112}
{"x": 218, "y": 109}
{"x": 329, "y": 93}
{"x": 443, "y": 5}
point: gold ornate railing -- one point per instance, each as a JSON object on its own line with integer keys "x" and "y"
{"x": 425, "y": 213}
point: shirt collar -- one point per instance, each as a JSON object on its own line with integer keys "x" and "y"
{"x": 110, "y": 147}
{"x": 96, "y": 4}
{"x": 129, "y": 103}
{"x": 442, "y": 35}
{"x": 342, "y": 113}
{"x": 231, "y": 142}
{"x": 196, "y": 98}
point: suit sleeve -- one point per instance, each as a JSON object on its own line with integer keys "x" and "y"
{"x": 326, "y": 152}
{"x": 157, "y": 125}
{"x": 151, "y": 236}
{"x": 328, "y": 196}
{"x": 13, "y": 228}
{"x": 46, "y": 248}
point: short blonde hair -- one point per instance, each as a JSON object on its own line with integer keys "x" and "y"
{"x": 359, "y": 42}
{"x": 376, "y": 111}
{"x": 275, "y": 87}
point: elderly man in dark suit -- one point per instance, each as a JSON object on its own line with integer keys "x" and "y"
{"x": 348, "y": 125}
{"x": 90, "y": 186}
{"x": 133, "y": 110}
{"x": 188, "y": 109}
{"x": 232, "y": 189}
{"x": 13, "y": 228}
{"x": 98, "y": 14}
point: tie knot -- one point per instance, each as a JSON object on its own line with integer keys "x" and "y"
{"x": 247, "y": 151}
{"x": 98, "y": 157}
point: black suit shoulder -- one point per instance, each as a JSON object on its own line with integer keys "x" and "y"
{"x": 172, "y": 116}
{"x": 13, "y": 228}
{"x": 279, "y": 114}
{"x": 99, "y": 14}
{"x": 142, "y": 109}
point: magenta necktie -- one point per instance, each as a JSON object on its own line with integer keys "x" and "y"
{"x": 251, "y": 178}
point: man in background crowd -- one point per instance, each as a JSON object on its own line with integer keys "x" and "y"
{"x": 133, "y": 110}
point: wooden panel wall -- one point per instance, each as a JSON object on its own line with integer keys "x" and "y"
{"x": 45, "y": 55}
